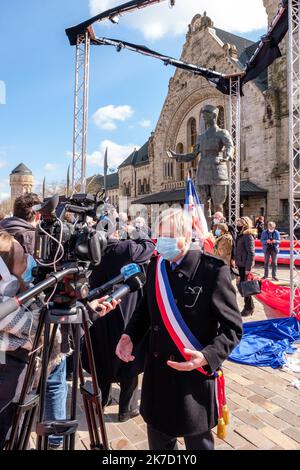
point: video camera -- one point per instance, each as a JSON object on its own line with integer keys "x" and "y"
{"x": 59, "y": 241}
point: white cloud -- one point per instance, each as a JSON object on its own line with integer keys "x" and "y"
{"x": 3, "y": 163}
{"x": 105, "y": 117}
{"x": 51, "y": 167}
{"x": 116, "y": 154}
{"x": 159, "y": 20}
{"x": 4, "y": 196}
{"x": 145, "y": 123}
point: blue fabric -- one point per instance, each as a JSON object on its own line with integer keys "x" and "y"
{"x": 56, "y": 397}
{"x": 265, "y": 237}
{"x": 265, "y": 343}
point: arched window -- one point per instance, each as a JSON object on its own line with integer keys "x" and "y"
{"x": 148, "y": 186}
{"x": 221, "y": 117}
{"x": 129, "y": 190}
{"x": 191, "y": 134}
{"x": 139, "y": 187}
{"x": 124, "y": 189}
{"x": 180, "y": 149}
{"x": 145, "y": 186}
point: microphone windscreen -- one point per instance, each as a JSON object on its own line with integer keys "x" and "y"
{"x": 136, "y": 282}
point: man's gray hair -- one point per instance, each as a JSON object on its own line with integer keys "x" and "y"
{"x": 181, "y": 220}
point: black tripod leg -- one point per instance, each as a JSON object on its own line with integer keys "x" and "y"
{"x": 76, "y": 355}
{"x": 96, "y": 389}
{"x": 30, "y": 372}
{"x": 43, "y": 380}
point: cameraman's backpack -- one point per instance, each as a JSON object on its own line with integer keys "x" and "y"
{"x": 26, "y": 238}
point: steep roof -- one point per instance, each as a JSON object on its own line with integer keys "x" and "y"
{"x": 21, "y": 169}
{"x": 95, "y": 183}
{"x": 138, "y": 157}
{"x": 245, "y": 49}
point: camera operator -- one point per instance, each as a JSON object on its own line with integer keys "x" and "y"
{"x": 271, "y": 242}
{"x": 18, "y": 328}
{"x": 24, "y": 221}
{"x": 105, "y": 332}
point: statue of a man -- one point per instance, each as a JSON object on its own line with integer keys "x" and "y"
{"x": 216, "y": 148}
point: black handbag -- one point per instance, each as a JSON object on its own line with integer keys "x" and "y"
{"x": 248, "y": 288}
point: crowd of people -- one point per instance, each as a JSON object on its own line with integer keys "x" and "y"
{"x": 133, "y": 336}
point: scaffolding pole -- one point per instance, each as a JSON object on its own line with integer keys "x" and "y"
{"x": 294, "y": 147}
{"x": 80, "y": 112}
{"x": 235, "y": 165}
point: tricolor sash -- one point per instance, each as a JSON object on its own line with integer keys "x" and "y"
{"x": 183, "y": 338}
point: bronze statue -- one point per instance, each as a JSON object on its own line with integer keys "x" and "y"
{"x": 216, "y": 148}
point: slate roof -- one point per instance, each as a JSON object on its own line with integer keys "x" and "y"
{"x": 138, "y": 157}
{"x": 97, "y": 182}
{"x": 21, "y": 169}
{"x": 178, "y": 195}
{"x": 246, "y": 49}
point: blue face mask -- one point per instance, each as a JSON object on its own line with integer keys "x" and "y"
{"x": 167, "y": 248}
{"x": 27, "y": 275}
{"x": 218, "y": 233}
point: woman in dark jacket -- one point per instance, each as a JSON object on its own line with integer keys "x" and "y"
{"x": 245, "y": 256}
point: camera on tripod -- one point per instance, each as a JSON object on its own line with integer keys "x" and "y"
{"x": 58, "y": 241}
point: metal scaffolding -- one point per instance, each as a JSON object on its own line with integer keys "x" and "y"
{"x": 235, "y": 165}
{"x": 80, "y": 112}
{"x": 294, "y": 147}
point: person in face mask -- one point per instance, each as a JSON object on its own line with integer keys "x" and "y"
{"x": 245, "y": 256}
{"x": 271, "y": 243}
{"x": 223, "y": 244}
{"x": 191, "y": 290}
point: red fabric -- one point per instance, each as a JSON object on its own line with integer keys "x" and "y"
{"x": 278, "y": 297}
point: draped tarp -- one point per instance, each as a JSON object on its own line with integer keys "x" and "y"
{"x": 268, "y": 49}
{"x": 278, "y": 297}
{"x": 266, "y": 343}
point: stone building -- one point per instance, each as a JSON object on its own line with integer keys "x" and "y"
{"x": 21, "y": 182}
{"x": 148, "y": 177}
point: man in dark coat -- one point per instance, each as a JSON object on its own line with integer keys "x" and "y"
{"x": 178, "y": 400}
{"x": 106, "y": 331}
{"x": 24, "y": 221}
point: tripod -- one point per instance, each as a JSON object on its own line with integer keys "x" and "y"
{"x": 31, "y": 402}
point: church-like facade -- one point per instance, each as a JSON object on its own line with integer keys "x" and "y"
{"x": 148, "y": 177}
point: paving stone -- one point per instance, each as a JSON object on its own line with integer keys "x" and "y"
{"x": 238, "y": 388}
{"x": 113, "y": 431}
{"x": 249, "y": 418}
{"x": 235, "y": 440}
{"x": 133, "y": 432}
{"x": 254, "y": 437}
{"x": 280, "y": 439}
{"x": 272, "y": 420}
{"x": 142, "y": 445}
{"x": 122, "y": 444}
{"x": 287, "y": 405}
{"x": 289, "y": 417}
{"x": 239, "y": 379}
{"x": 294, "y": 433}
{"x": 259, "y": 390}
{"x": 263, "y": 403}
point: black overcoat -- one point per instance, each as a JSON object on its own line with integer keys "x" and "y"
{"x": 106, "y": 331}
{"x": 183, "y": 403}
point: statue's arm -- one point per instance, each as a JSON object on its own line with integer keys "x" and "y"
{"x": 228, "y": 147}
{"x": 184, "y": 157}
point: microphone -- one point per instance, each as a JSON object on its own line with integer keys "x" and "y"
{"x": 126, "y": 272}
{"x": 133, "y": 283}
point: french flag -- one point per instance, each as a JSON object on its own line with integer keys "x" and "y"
{"x": 194, "y": 208}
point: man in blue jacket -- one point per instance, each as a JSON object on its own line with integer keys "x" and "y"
{"x": 271, "y": 242}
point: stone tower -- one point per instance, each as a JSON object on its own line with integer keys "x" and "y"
{"x": 271, "y": 6}
{"x": 21, "y": 181}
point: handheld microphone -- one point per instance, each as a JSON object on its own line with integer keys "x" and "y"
{"x": 133, "y": 283}
{"x": 126, "y": 272}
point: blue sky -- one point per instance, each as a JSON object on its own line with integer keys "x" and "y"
{"x": 37, "y": 68}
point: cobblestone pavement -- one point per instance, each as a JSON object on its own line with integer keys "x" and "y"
{"x": 264, "y": 406}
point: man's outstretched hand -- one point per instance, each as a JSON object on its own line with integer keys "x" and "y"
{"x": 124, "y": 349}
{"x": 196, "y": 360}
